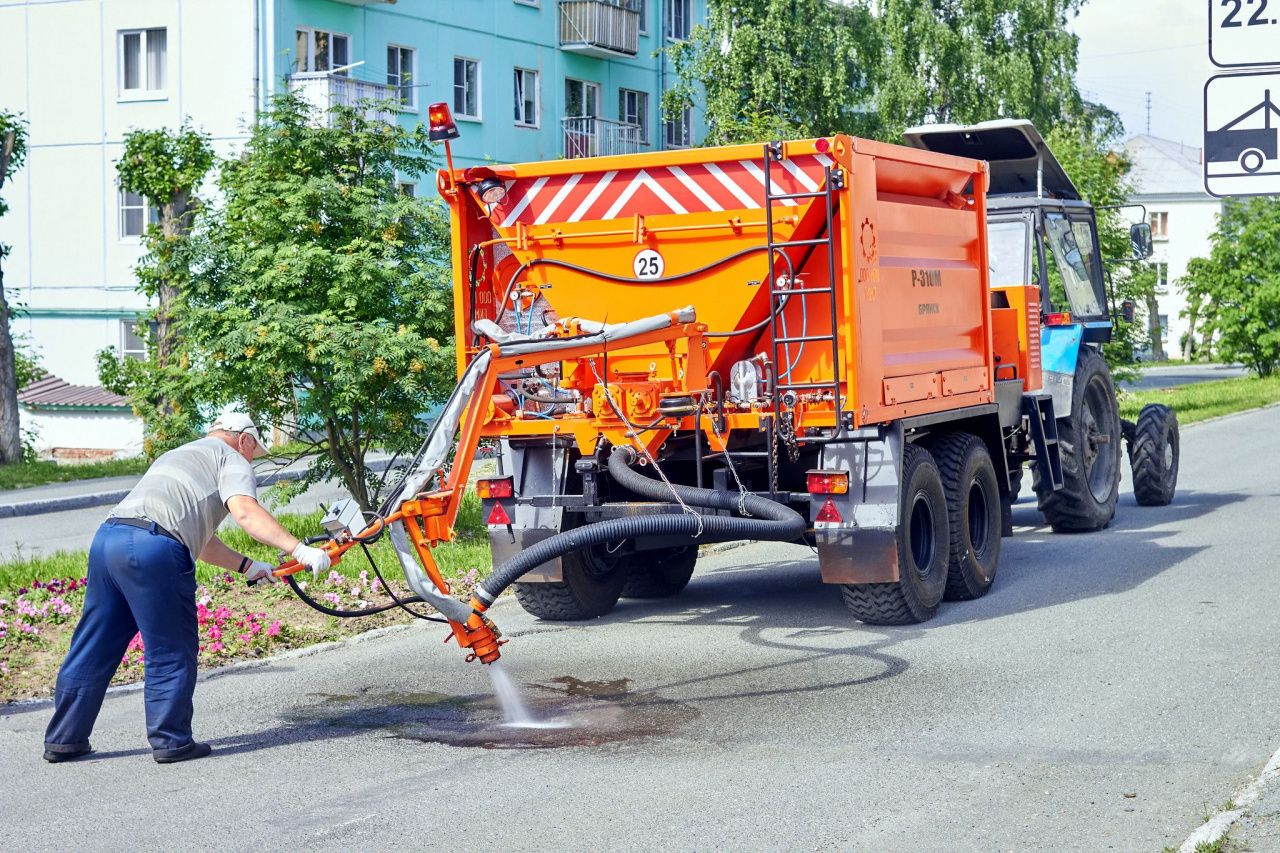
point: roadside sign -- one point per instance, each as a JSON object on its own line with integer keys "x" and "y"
{"x": 1244, "y": 32}
{"x": 1242, "y": 134}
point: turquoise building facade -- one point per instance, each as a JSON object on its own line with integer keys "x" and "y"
{"x": 526, "y": 79}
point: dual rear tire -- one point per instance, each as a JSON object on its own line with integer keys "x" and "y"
{"x": 948, "y": 536}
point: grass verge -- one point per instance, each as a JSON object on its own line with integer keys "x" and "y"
{"x": 21, "y": 475}
{"x": 1203, "y": 400}
{"x": 41, "y": 599}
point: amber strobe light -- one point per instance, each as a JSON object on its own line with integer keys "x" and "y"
{"x": 495, "y": 489}
{"x": 440, "y": 121}
{"x": 827, "y": 482}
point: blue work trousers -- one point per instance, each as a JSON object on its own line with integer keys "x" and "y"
{"x": 138, "y": 581}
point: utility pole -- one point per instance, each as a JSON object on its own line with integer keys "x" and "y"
{"x": 1148, "y": 113}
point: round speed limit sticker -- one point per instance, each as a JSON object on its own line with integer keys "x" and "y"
{"x": 648, "y": 264}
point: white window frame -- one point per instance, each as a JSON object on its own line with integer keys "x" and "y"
{"x": 129, "y": 328}
{"x": 146, "y": 92}
{"x": 407, "y": 188}
{"x": 669, "y": 24}
{"x": 458, "y": 113}
{"x": 1159, "y": 232}
{"x": 402, "y": 88}
{"x": 537, "y": 4}
{"x": 686, "y": 130}
{"x": 311, "y": 51}
{"x": 586, "y": 84}
{"x": 150, "y": 215}
{"x": 537, "y": 95}
{"x": 641, "y": 97}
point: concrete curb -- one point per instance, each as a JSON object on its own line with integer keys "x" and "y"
{"x": 39, "y": 507}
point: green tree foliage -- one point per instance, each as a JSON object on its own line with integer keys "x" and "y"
{"x": 13, "y": 153}
{"x": 775, "y": 69}
{"x": 320, "y": 293}
{"x": 1237, "y": 288}
{"x": 167, "y": 168}
{"x": 967, "y": 61}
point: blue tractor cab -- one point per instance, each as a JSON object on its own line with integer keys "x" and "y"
{"x": 1041, "y": 230}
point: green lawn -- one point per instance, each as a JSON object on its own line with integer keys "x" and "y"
{"x": 1203, "y": 400}
{"x": 20, "y": 475}
{"x": 469, "y": 551}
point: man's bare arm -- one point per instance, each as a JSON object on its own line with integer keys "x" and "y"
{"x": 260, "y": 524}
{"x": 216, "y": 553}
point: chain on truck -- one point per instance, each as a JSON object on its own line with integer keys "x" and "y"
{"x": 834, "y": 341}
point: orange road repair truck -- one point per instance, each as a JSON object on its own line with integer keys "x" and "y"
{"x": 835, "y": 341}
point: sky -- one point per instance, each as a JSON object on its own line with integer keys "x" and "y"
{"x": 1131, "y": 47}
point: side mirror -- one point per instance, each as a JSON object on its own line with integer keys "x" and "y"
{"x": 1140, "y": 236}
{"x": 1128, "y": 311}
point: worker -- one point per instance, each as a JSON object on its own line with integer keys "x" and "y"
{"x": 142, "y": 578}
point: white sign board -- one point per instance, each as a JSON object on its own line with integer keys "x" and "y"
{"x": 1244, "y": 32}
{"x": 1242, "y": 134}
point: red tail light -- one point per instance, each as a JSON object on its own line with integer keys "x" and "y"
{"x": 498, "y": 515}
{"x": 829, "y": 514}
{"x": 827, "y": 482}
{"x": 440, "y": 122}
{"x": 1057, "y": 318}
{"x": 822, "y": 145}
{"x": 495, "y": 489}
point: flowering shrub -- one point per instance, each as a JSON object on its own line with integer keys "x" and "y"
{"x": 38, "y": 606}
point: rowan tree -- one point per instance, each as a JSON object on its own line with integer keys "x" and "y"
{"x": 13, "y": 152}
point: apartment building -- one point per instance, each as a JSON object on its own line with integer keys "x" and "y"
{"x": 526, "y": 79}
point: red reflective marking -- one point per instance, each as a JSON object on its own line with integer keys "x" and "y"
{"x": 498, "y": 515}
{"x": 829, "y": 513}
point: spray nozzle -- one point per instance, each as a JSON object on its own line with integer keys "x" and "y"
{"x": 478, "y": 634}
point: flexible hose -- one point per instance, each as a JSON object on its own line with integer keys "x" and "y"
{"x": 773, "y": 521}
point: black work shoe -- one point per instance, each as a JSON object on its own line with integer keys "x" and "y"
{"x": 182, "y": 753}
{"x": 55, "y": 753}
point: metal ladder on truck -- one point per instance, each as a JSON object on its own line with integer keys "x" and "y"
{"x": 788, "y": 347}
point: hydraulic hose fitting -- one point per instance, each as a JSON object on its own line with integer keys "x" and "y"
{"x": 479, "y": 634}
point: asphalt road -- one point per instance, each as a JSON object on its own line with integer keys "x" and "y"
{"x": 1109, "y": 691}
{"x": 1184, "y": 374}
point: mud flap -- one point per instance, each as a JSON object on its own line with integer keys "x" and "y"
{"x": 538, "y": 469}
{"x": 862, "y": 546}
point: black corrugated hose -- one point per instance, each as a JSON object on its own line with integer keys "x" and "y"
{"x": 769, "y": 520}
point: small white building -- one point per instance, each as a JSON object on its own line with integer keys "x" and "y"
{"x": 1168, "y": 178}
{"x": 84, "y": 73}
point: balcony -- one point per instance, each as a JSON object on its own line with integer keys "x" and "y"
{"x": 604, "y": 28}
{"x": 588, "y": 136}
{"x": 323, "y": 89}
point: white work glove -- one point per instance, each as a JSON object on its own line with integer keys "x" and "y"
{"x": 315, "y": 559}
{"x": 260, "y": 572}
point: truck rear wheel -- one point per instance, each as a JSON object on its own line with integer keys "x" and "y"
{"x": 661, "y": 573}
{"x": 1153, "y": 454}
{"x": 922, "y": 551}
{"x": 1089, "y": 441}
{"x": 974, "y": 513}
{"x": 593, "y": 580}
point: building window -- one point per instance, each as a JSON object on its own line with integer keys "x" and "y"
{"x": 526, "y": 97}
{"x": 679, "y": 18}
{"x": 1162, "y": 278}
{"x": 581, "y": 99}
{"x": 642, "y": 6}
{"x": 678, "y": 132}
{"x": 323, "y": 51}
{"x": 133, "y": 345}
{"x": 1164, "y": 327}
{"x": 144, "y": 57}
{"x": 407, "y": 188}
{"x": 402, "y": 63}
{"x": 136, "y": 213}
{"x": 466, "y": 88}
{"x": 1160, "y": 225}
{"x": 633, "y": 108}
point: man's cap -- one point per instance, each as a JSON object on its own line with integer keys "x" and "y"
{"x": 239, "y": 422}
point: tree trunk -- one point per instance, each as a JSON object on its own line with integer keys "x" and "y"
{"x": 1154, "y": 330}
{"x": 10, "y": 436}
{"x": 1189, "y": 345}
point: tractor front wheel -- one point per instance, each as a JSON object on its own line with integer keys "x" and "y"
{"x": 1089, "y": 441}
{"x": 1153, "y": 454}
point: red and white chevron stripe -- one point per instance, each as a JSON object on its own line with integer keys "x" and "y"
{"x": 695, "y": 187}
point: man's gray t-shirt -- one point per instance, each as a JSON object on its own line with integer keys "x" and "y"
{"x": 186, "y": 490}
